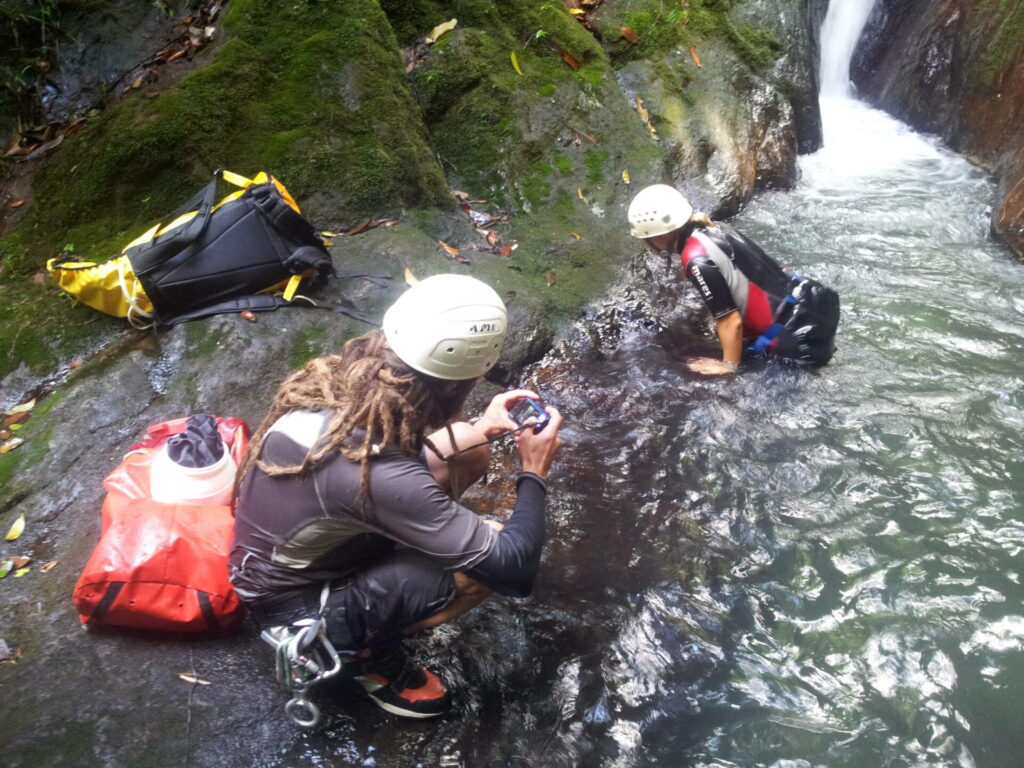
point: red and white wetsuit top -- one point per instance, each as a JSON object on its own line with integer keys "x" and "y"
{"x": 733, "y": 273}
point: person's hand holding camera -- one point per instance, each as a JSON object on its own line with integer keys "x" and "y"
{"x": 495, "y": 420}
{"x": 537, "y": 449}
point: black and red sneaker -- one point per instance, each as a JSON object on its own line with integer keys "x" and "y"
{"x": 398, "y": 686}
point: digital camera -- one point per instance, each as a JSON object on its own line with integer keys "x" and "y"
{"x": 529, "y": 411}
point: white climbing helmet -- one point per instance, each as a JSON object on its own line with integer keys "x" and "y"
{"x": 658, "y": 210}
{"x": 447, "y": 326}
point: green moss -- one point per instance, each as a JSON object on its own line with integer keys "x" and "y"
{"x": 307, "y": 344}
{"x": 561, "y": 162}
{"x": 1007, "y": 41}
{"x": 313, "y": 92}
{"x": 596, "y": 161}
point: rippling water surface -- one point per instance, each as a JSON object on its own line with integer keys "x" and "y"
{"x": 784, "y": 568}
{"x": 792, "y": 568}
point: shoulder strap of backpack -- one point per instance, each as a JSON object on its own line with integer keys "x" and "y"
{"x": 261, "y": 302}
{"x": 202, "y": 204}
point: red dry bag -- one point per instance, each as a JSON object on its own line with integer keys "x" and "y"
{"x": 161, "y": 566}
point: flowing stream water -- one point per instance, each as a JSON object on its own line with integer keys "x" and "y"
{"x": 790, "y": 568}
{"x": 783, "y": 568}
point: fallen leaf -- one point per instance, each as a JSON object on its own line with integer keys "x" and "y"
{"x": 696, "y": 58}
{"x": 48, "y": 566}
{"x": 641, "y": 110}
{"x": 452, "y": 252}
{"x": 176, "y": 55}
{"x": 21, "y": 572}
{"x": 506, "y": 251}
{"x": 629, "y": 34}
{"x": 189, "y": 678}
{"x": 16, "y": 427}
{"x": 462, "y": 260}
{"x": 327, "y": 243}
{"x": 16, "y": 203}
{"x": 577, "y": 11}
{"x": 137, "y": 83}
{"x": 328, "y": 233}
{"x": 410, "y": 278}
{"x": 359, "y": 228}
{"x": 9, "y": 446}
{"x": 493, "y": 238}
{"x": 573, "y": 234}
{"x": 515, "y": 62}
{"x": 13, "y": 145}
{"x": 510, "y": 294}
{"x": 549, "y": 277}
{"x": 27, "y": 406}
{"x": 569, "y": 59}
{"x": 248, "y": 315}
{"x": 587, "y": 136}
{"x": 625, "y": 176}
{"x": 76, "y": 363}
{"x": 4, "y": 434}
{"x": 513, "y": 245}
{"x": 39, "y": 278}
{"x": 17, "y": 528}
{"x": 440, "y": 29}
{"x": 20, "y": 561}
{"x": 579, "y": 192}
{"x": 15, "y": 418}
{"x": 5, "y": 568}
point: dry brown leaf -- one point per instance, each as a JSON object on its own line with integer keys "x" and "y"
{"x": 48, "y": 566}
{"x": 569, "y": 59}
{"x": 493, "y": 238}
{"x": 462, "y": 260}
{"x": 452, "y": 252}
{"x": 20, "y": 561}
{"x": 39, "y": 278}
{"x": 248, "y": 315}
{"x": 76, "y": 363}
{"x": 5, "y": 433}
{"x": 506, "y": 250}
{"x": 549, "y": 277}
{"x": 176, "y": 55}
{"x": 629, "y": 34}
{"x": 15, "y": 418}
{"x": 16, "y": 203}
{"x": 511, "y": 294}
{"x": 696, "y": 58}
{"x": 359, "y": 228}
{"x": 13, "y": 145}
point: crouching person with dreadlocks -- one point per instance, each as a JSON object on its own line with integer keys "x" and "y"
{"x": 342, "y": 486}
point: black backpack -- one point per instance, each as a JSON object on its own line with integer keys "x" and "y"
{"x": 221, "y": 259}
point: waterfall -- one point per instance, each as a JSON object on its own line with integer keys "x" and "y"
{"x": 840, "y": 32}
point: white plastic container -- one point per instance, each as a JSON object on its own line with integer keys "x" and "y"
{"x": 171, "y": 483}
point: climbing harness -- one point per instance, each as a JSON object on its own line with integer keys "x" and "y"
{"x": 305, "y": 657}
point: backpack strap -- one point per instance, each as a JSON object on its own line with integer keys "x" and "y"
{"x": 262, "y": 302}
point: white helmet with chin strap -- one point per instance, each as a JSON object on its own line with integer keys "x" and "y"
{"x": 658, "y": 210}
{"x": 447, "y": 326}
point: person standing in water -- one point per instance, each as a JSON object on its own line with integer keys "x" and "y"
{"x": 751, "y": 298}
{"x": 342, "y": 485}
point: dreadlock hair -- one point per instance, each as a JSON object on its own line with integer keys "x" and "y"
{"x": 367, "y": 388}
